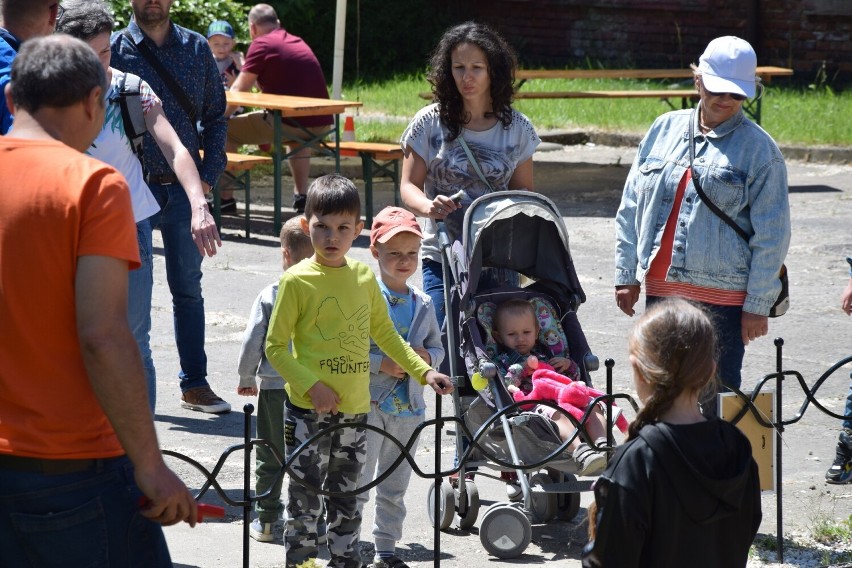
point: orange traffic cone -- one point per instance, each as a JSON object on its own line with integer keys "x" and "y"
{"x": 348, "y": 135}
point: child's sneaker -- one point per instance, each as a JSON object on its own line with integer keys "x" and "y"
{"x": 840, "y": 471}
{"x": 261, "y": 532}
{"x": 392, "y": 562}
{"x": 591, "y": 462}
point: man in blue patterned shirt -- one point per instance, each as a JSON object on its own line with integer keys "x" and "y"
{"x": 196, "y": 113}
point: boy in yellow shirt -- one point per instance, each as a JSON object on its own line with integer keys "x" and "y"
{"x": 330, "y": 306}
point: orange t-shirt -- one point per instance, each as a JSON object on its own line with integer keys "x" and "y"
{"x": 56, "y": 205}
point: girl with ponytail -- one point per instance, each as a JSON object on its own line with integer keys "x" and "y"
{"x": 684, "y": 489}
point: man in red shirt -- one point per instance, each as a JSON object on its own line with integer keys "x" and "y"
{"x": 279, "y": 63}
{"x": 75, "y": 458}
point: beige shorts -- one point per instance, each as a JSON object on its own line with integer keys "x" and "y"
{"x": 257, "y": 128}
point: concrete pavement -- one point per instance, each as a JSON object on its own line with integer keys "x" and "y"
{"x": 585, "y": 182}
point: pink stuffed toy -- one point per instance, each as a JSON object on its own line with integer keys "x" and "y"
{"x": 572, "y": 396}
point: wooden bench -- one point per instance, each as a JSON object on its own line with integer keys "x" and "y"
{"x": 240, "y": 166}
{"x": 687, "y": 96}
{"x": 377, "y": 159}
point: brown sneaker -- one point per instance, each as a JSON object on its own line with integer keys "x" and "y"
{"x": 204, "y": 399}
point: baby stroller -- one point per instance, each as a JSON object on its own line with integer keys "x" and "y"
{"x": 507, "y": 236}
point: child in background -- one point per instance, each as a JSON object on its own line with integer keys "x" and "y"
{"x": 684, "y": 489}
{"x": 253, "y": 365}
{"x": 516, "y": 331}
{"x": 329, "y": 307}
{"x": 397, "y": 403}
{"x": 221, "y": 39}
{"x": 840, "y": 471}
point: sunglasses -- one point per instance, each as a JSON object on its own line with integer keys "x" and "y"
{"x": 736, "y": 97}
{"x": 60, "y": 12}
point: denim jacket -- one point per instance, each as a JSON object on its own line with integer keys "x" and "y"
{"x": 742, "y": 171}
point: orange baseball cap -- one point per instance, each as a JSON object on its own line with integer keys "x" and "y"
{"x": 391, "y": 221}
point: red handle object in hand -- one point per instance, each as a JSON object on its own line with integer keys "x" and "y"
{"x": 204, "y": 509}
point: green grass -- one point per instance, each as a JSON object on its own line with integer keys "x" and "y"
{"x": 793, "y": 116}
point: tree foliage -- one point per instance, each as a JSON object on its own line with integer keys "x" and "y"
{"x": 195, "y": 15}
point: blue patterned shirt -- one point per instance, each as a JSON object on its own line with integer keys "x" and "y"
{"x": 8, "y": 50}
{"x": 186, "y": 55}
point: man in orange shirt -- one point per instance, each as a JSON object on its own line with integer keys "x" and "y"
{"x": 75, "y": 458}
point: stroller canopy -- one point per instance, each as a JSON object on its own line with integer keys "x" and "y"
{"x": 521, "y": 231}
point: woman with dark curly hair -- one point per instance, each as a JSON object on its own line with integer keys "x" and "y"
{"x": 472, "y": 72}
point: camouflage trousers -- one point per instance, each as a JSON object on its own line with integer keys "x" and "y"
{"x": 333, "y": 463}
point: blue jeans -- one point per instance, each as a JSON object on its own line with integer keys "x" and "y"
{"x": 848, "y": 410}
{"x": 139, "y": 289}
{"x": 433, "y": 285}
{"x": 89, "y": 519}
{"x": 183, "y": 273}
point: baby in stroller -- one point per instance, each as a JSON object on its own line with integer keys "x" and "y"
{"x": 529, "y": 351}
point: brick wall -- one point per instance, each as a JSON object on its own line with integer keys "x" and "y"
{"x": 801, "y": 34}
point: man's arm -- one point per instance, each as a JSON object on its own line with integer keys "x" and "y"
{"x": 245, "y": 82}
{"x": 114, "y": 367}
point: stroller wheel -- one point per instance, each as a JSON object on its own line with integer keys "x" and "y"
{"x": 505, "y": 531}
{"x": 567, "y": 504}
{"x": 542, "y": 505}
{"x": 468, "y": 510}
{"x": 447, "y": 499}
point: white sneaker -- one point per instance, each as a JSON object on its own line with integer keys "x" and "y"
{"x": 261, "y": 532}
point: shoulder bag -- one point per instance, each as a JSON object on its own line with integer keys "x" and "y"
{"x": 782, "y": 303}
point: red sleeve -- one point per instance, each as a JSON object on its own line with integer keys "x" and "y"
{"x": 255, "y": 61}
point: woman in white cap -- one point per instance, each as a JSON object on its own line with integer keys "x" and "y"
{"x": 668, "y": 235}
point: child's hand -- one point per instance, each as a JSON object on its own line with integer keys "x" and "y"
{"x": 561, "y": 364}
{"x": 512, "y": 389}
{"x": 323, "y": 398}
{"x": 389, "y": 367}
{"x": 231, "y": 76}
{"x": 423, "y": 355}
{"x": 439, "y": 382}
{"x": 247, "y": 391}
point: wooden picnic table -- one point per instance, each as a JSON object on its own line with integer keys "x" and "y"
{"x": 765, "y": 72}
{"x": 753, "y": 107}
{"x": 292, "y": 108}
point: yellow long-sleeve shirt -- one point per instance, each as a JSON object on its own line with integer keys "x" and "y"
{"x": 330, "y": 314}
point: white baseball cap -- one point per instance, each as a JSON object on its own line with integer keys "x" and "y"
{"x": 728, "y": 65}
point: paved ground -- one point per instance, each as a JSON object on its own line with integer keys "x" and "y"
{"x": 585, "y": 182}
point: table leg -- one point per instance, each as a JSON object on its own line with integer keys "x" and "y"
{"x": 217, "y": 207}
{"x": 367, "y": 166}
{"x": 247, "y": 187}
{"x": 276, "y": 170}
{"x": 337, "y": 143}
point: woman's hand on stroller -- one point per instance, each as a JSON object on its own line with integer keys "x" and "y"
{"x": 442, "y": 206}
{"x": 323, "y": 398}
{"x": 439, "y": 382}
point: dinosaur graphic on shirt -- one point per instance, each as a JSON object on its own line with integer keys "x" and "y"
{"x": 352, "y": 332}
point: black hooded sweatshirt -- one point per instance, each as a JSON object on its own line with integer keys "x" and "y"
{"x": 676, "y": 496}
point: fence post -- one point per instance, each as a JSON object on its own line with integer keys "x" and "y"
{"x": 779, "y": 430}
{"x": 248, "y": 409}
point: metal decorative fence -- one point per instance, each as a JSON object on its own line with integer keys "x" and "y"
{"x": 463, "y": 504}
